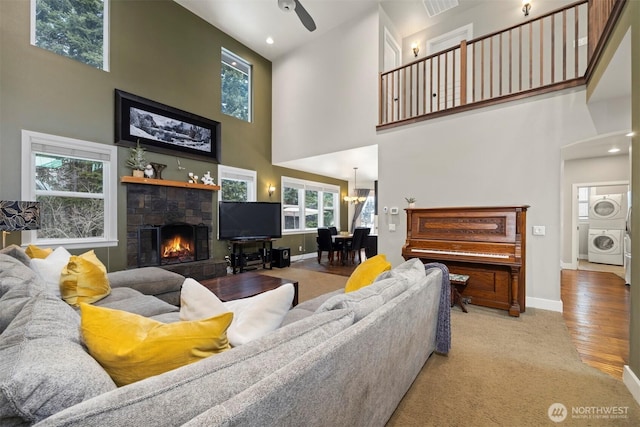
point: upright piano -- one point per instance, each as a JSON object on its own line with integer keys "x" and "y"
{"x": 485, "y": 243}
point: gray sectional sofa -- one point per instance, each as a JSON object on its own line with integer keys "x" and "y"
{"x": 339, "y": 359}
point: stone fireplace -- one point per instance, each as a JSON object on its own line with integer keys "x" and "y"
{"x": 172, "y": 243}
{"x": 171, "y": 227}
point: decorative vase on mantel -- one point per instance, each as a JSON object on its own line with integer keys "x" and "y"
{"x": 138, "y": 173}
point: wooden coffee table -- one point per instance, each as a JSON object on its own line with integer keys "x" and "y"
{"x": 245, "y": 285}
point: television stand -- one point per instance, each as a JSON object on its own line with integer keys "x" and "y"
{"x": 258, "y": 256}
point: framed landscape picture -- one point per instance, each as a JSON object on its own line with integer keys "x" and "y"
{"x": 163, "y": 129}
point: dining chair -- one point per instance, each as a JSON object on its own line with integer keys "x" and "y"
{"x": 325, "y": 243}
{"x": 338, "y": 245}
{"x": 359, "y": 244}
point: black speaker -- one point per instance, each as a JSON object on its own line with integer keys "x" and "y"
{"x": 281, "y": 257}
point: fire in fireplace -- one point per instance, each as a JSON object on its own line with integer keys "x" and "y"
{"x": 172, "y": 243}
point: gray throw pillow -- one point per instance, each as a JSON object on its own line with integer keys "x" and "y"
{"x": 43, "y": 366}
{"x": 18, "y": 284}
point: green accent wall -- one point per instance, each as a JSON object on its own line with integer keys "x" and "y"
{"x": 160, "y": 51}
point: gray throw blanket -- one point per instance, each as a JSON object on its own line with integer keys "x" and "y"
{"x": 443, "y": 333}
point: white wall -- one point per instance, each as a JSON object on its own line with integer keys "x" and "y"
{"x": 325, "y": 95}
{"x": 325, "y": 99}
{"x": 507, "y": 155}
{"x": 499, "y": 16}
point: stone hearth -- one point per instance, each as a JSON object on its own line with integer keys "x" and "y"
{"x": 158, "y": 205}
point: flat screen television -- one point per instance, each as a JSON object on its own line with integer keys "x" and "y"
{"x": 249, "y": 220}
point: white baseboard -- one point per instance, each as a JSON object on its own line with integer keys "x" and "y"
{"x": 544, "y": 304}
{"x": 632, "y": 382}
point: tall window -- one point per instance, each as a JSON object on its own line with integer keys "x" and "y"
{"x": 307, "y": 205}
{"x": 368, "y": 210}
{"x": 236, "y": 86}
{"x": 77, "y": 29}
{"x": 237, "y": 185}
{"x": 583, "y": 203}
{"x": 74, "y": 181}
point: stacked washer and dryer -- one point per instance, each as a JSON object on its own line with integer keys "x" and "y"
{"x": 608, "y": 228}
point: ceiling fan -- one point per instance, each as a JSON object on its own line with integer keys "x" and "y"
{"x": 305, "y": 18}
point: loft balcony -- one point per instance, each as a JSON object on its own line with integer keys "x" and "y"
{"x": 552, "y": 52}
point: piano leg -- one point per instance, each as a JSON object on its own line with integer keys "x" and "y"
{"x": 514, "y": 310}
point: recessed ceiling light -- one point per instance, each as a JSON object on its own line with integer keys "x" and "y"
{"x": 614, "y": 150}
{"x": 269, "y": 40}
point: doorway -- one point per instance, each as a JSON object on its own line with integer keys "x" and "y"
{"x": 583, "y": 195}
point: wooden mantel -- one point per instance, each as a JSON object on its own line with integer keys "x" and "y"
{"x": 167, "y": 183}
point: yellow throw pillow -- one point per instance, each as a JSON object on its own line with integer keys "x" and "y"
{"x": 36, "y": 252}
{"x": 84, "y": 279}
{"x": 366, "y": 272}
{"x": 132, "y": 347}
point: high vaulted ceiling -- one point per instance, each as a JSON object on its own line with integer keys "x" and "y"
{"x": 252, "y": 21}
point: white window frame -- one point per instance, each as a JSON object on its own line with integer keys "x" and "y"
{"x": 105, "y": 32}
{"x": 584, "y": 202}
{"x": 248, "y": 175}
{"x": 36, "y": 142}
{"x": 314, "y": 186}
{"x": 249, "y": 73}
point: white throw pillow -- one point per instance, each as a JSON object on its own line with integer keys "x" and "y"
{"x": 258, "y": 315}
{"x": 253, "y": 317}
{"x": 50, "y": 268}
{"x": 198, "y": 302}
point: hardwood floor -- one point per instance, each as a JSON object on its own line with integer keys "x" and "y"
{"x": 324, "y": 266}
{"x": 596, "y": 311}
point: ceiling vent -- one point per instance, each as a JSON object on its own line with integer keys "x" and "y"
{"x": 436, "y": 7}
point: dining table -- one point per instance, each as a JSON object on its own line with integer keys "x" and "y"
{"x": 344, "y": 240}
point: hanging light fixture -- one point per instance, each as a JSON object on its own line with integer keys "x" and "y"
{"x": 355, "y": 199}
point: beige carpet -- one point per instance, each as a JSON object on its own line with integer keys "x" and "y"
{"x": 502, "y": 371}
{"x": 505, "y": 371}
{"x": 310, "y": 283}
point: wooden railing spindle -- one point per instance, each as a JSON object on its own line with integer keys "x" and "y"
{"x": 541, "y": 53}
{"x": 399, "y": 90}
{"x": 482, "y": 71}
{"x": 576, "y": 20}
{"x": 520, "y": 58}
{"x": 530, "y": 55}
{"x": 564, "y": 45}
{"x": 553, "y": 48}
{"x": 463, "y": 72}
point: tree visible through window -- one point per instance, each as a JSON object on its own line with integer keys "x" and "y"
{"x": 237, "y": 185}
{"x": 74, "y": 181}
{"x": 307, "y": 205}
{"x": 236, "y": 86}
{"x": 70, "y": 192}
{"x": 73, "y": 28}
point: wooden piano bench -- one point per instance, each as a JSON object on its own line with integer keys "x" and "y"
{"x": 458, "y": 283}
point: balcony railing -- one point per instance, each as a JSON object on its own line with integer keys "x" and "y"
{"x": 548, "y": 53}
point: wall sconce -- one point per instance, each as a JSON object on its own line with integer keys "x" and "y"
{"x": 271, "y": 189}
{"x": 526, "y": 7}
{"x": 415, "y": 48}
{"x": 18, "y": 216}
